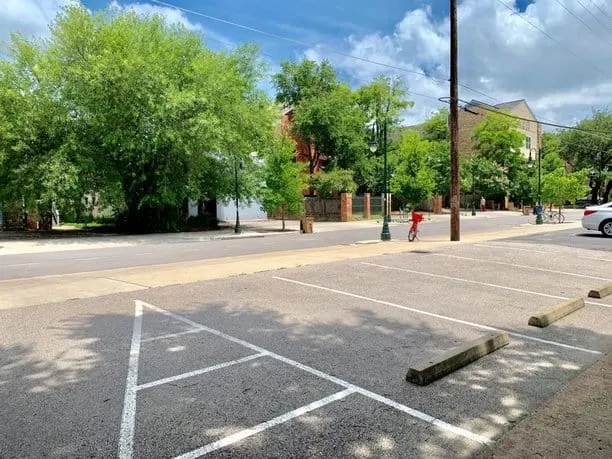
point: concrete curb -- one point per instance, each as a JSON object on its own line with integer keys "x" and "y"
{"x": 601, "y": 292}
{"x": 248, "y": 236}
{"x": 428, "y": 371}
{"x": 556, "y": 312}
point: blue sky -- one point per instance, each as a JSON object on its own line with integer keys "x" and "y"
{"x": 501, "y": 53}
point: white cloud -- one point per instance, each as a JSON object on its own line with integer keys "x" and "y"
{"x": 28, "y": 17}
{"x": 500, "y": 54}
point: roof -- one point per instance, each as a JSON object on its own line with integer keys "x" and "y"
{"x": 505, "y": 106}
{"x": 510, "y": 105}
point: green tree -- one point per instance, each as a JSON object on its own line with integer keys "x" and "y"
{"x": 303, "y": 80}
{"x": 328, "y": 184}
{"x": 334, "y": 125}
{"x": 488, "y": 177}
{"x": 496, "y": 138}
{"x": 413, "y": 180}
{"x": 436, "y": 127}
{"x": 593, "y": 151}
{"x": 382, "y": 102}
{"x": 439, "y": 163}
{"x": 284, "y": 180}
{"x": 559, "y": 187}
{"x": 123, "y": 102}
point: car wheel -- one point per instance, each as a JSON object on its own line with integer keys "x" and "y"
{"x": 606, "y": 228}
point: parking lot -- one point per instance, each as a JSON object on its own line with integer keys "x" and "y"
{"x": 305, "y": 362}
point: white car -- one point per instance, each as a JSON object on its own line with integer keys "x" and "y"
{"x": 598, "y": 218}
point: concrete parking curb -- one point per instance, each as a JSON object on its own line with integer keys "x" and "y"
{"x": 428, "y": 371}
{"x": 556, "y": 312}
{"x": 601, "y": 292}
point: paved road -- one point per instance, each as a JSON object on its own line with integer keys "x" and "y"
{"x": 305, "y": 362}
{"x": 160, "y": 251}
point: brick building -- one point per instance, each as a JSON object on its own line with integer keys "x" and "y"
{"x": 473, "y": 113}
{"x": 304, "y": 151}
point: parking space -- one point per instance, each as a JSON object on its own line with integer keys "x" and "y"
{"x": 311, "y": 362}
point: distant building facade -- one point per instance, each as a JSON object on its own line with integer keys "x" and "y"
{"x": 473, "y": 113}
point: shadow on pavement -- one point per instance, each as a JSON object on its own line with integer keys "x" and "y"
{"x": 62, "y": 383}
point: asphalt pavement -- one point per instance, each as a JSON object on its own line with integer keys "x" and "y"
{"x": 161, "y": 249}
{"x": 305, "y": 362}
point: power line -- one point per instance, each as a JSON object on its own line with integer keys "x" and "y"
{"x": 597, "y": 6}
{"x": 313, "y": 45}
{"x": 233, "y": 45}
{"x": 595, "y": 17}
{"x": 493, "y": 109}
{"x": 558, "y": 2}
{"x": 566, "y": 48}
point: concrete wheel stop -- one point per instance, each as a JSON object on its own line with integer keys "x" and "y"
{"x": 556, "y": 312}
{"x": 601, "y": 292}
{"x": 427, "y": 371}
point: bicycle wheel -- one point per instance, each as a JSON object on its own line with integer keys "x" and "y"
{"x": 561, "y": 217}
{"x": 412, "y": 235}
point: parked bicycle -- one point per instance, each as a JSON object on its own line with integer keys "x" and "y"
{"x": 414, "y": 228}
{"x": 549, "y": 215}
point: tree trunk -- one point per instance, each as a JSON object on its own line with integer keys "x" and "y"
{"x": 595, "y": 192}
{"x": 283, "y": 215}
{"x": 606, "y": 195}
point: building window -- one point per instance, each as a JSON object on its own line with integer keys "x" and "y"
{"x": 528, "y": 143}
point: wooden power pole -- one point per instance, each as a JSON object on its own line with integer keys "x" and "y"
{"x": 455, "y": 230}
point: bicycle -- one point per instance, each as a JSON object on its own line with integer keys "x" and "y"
{"x": 414, "y": 228}
{"x": 553, "y": 216}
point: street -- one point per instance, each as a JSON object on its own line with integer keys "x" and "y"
{"x": 307, "y": 361}
{"x": 172, "y": 248}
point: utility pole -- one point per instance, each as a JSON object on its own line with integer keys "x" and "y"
{"x": 455, "y": 230}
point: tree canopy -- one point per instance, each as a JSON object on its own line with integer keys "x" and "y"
{"x": 130, "y": 107}
{"x": 591, "y": 150}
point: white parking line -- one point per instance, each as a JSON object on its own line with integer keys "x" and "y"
{"x": 170, "y": 335}
{"x": 411, "y": 411}
{"x": 548, "y": 252}
{"x": 521, "y": 266}
{"x": 87, "y": 258}
{"x": 201, "y": 371}
{"x": 437, "y": 316}
{"x": 128, "y": 418}
{"x": 238, "y": 436}
{"x": 22, "y": 264}
{"x": 486, "y": 284}
{"x": 488, "y": 246}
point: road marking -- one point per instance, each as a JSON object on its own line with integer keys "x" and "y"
{"x": 548, "y": 252}
{"x": 88, "y": 258}
{"x": 486, "y": 284}
{"x": 144, "y": 253}
{"x": 21, "y": 264}
{"x": 609, "y": 260}
{"x": 438, "y": 316}
{"x": 128, "y": 419}
{"x": 201, "y": 371}
{"x": 488, "y": 246}
{"x": 170, "y": 335}
{"x": 410, "y": 411}
{"x": 521, "y": 266}
{"x": 238, "y": 436}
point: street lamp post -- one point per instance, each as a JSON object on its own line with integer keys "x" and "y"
{"x": 385, "y": 235}
{"x": 237, "y": 228}
{"x": 539, "y": 219}
{"x": 473, "y": 191}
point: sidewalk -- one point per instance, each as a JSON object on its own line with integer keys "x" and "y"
{"x": 574, "y": 423}
{"x": 13, "y": 243}
{"x": 54, "y": 288}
